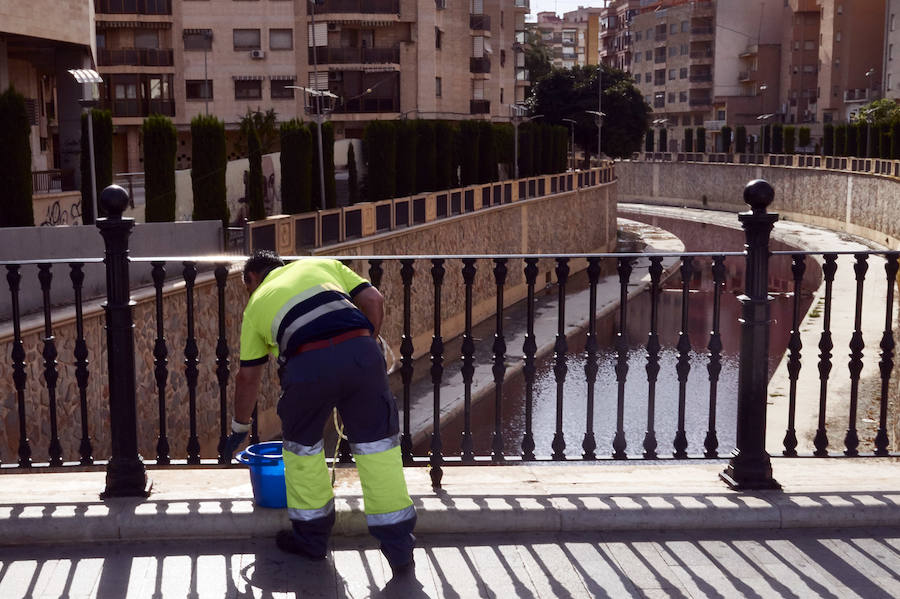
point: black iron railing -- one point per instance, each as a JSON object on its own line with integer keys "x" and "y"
{"x": 679, "y": 273}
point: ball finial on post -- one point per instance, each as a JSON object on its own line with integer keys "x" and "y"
{"x": 114, "y": 200}
{"x": 758, "y": 194}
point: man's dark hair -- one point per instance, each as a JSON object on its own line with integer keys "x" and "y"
{"x": 261, "y": 262}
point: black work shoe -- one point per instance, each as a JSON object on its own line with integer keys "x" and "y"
{"x": 403, "y": 569}
{"x": 287, "y": 542}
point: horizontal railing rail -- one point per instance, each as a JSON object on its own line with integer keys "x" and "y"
{"x": 643, "y": 344}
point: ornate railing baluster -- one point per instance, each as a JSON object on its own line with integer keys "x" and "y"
{"x": 45, "y": 276}
{"x": 886, "y": 364}
{"x": 798, "y": 268}
{"x": 851, "y": 439}
{"x": 589, "y": 444}
{"x": 620, "y": 444}
{"x": 222, "y": 362}
{"x": 825, "y": 347}
{"x": 436, "y": 459}
{"x": 160, "y": 363}
{"x": 499, "y": 358}
{"x": 191, "y": 361}
{"x": 652, "y": 367}
{"x": 85, "y": 449}
{"x": 529, "y": 347}
{"x": 714, "y": 368}
{"x": 468, "y": 364}
{"x": 559, "y": 353}
{"x": 683, "y": 367}
{"x": 407, "y": 271}
{"x": 14, "y": 278}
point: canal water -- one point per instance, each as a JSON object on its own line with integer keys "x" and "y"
{"x": 697, "y": 390}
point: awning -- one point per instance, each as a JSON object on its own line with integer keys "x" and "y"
{"x": 133, "y": 25}
{"x": 248, "y": 77}
{"x": 283, "y": 77}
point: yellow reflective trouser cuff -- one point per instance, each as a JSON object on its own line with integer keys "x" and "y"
{"x": 307, "y": 481}
{"x": 383, "y": 484}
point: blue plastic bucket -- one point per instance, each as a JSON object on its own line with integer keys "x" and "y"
{"x": 266, "y": 473}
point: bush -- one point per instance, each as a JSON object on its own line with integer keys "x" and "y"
{"x": 688, "y": 140}
{"x": 895, "y": 140}
{"x": 828, "y": 139}
{"x": 208, "y": 164}
{"x": 767, "y": 139}
{"x": 726, "y": 138}
{"x": 16, "y": 209}
{"x": 701, "y": 139}
{"x": 804, "y": 137}
{"x": 255, "y": 181}
{"x": 862, "y": 140}
{"x": 160, "y": 140}
{"x": 327, "y": 166}
{"x": 426, "y": 158}
{"x": 741, "y": 139}
{"x": 526, "y": 149}
{"x": 648, "y": 141}
{"x": 487, "y": 153}
{"x": 352, "y": 176}
{"x": 444, "y": 148}
{"x": 562, "y": 145}
{"x": 549, "y": 148}
{"x": 296, "y": 167}
{"x": 406, "y": 158}
{"x": 469, "y": 147}
{"x": 777, "y": 138}
{"x": 663, "y": 140}
{"x": 852, "y": 140}
{"x": 840, "y": 140}
{"x": 884, "y": 141}
{"x": 380, "y": 152}
{"x": 102, "y": 125}
{"x": 503, "y": 142}
{"x": 789, "y": 132}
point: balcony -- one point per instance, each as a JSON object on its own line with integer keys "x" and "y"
{"x": 480, "y": 22}
{"x": 750, "y": 52}
{"x": 133, "y": 7}
{"x": 702, "y": 30}
{"x": 138, "y": 57}
{"x": 479, "y": 106}
{"x": 526, "y": 4}
{"x": 378, "y": 7}
{"x": 859, "y": 95}
{"x": 369, "y": 105}
{"x": 698, "y": 102}
{"x": 480, "y": 65}
{"x": 330, "y": 55}
{"x": 139, "y": 108}
{"x": 746, "y": 77}
{"x": 701, "y": 78}
{"x": 523, "y": 78}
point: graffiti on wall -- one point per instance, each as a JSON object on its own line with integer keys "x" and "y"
{"x": 61, "y": 211}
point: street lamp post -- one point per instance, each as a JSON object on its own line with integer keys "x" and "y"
{"x": 320, "y": 119}
{"x": 762, "y": 119}
{"x": 572, "y": 128}
{"x": 599, "y": 116}
{"x": 518, "y": 117}
{"x": 869, "y": 74}
{"x": 89, "y": 76}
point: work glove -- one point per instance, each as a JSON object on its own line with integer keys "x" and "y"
{"x": 236, "y": 438}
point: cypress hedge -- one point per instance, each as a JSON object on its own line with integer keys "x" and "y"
{"x": 469, "y": 146}
{"x": 767, "y": 139}
{"x": 789, "y": 132}
{"x": 537, "y": 147}
{"x": 16, "y": 208}
{"x": 663, "y": 140}
{"x": 296, "y": 167}
{"x": 852, "y": 141}
{"x": 895, "y": 140}
{"x": 208, "y": 164}
{"x": 103, "y": 128}
{"x": 487, "y": 153}
{"x": 328, "y": 166}
{"x": 426, "y": 158}
{"x": 862, "y": 140}
{"x": 648, "y": 140}
{"x": 740, "y": 141}
{"x": 160, "y": 146}
{"x": 726, "y": 138}
{"x": 840, "y": 140}
{"x": 503, "y": 141}
{"x": 352, "y": 176}
{"x": 803, "y": 137}
{"x": 406, "y": 158}
{"x": 701, "y": 139}
{"x": 777, "y": 138}
{"x": 380, "y": 154}
{"x": 551, "y": 148}
{"x": 828, "y": 139}
{"x": 444, "y": 148}
{"x": 255, "y": 180}
{"x": 562, "y": 149}
{"x": 526, "y": 149}
{"x": 688, "y": 140}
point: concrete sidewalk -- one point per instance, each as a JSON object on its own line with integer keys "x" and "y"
{"x": 217, "y": 503}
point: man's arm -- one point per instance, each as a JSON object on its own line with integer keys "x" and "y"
{"x": 246, "y": 391}
{"x": 371, "y": 303}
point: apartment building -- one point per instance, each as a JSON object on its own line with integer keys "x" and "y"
{"x": 381, "y": 59}
{"x": 891, "y": 62}
{"x": 40, "y": 40}
{"x": 616, "y": 34}
{"x": 573, "y": 39}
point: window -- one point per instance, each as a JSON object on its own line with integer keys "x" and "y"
{"x": 890, "y": 51}
{"x": 840, "y": 9}
{"x": 437, "y": 87}
{"x": 199, "y": 89}
{"x": 673, "y": 50}
{"x": 638, "y": 36}
{"x": 478, "y": 89}
{"x": 892, "y": 22}
{"x": 198, "y": 39}
{"x": 637, "y": 58}
{"x": 685, "y": 49}
{"x": 673, "y": 27}
{"x": 837, "y": 36}
{"x": 648, "y": 77}
{"x": 659, "y": 99}
{"x": 281, "y": 39}
{"x": 246, "y": 39}
{"x": 682, "y": 96}
{"x": 888, "y": 83}
{"x": 672, "y": 74}
{"x": 248, "y": 90}
{"x": 648, "y": 55}
{"x": 682, "y": 73}
{"x": 437, "y": 38}
{"x": 685, "y": 26}
{"x": 796, "y": 45}
{"x": 280, "y": 89}
{"x": 101, "y": 40}
{"x": 501, "y": 95}
{"x": 650, "y": 34}
{"x": 502, "y": 58}
{"x": 809, "y": 45}
{"x": 671, "y": 97}
{"x": 146, "y": 38}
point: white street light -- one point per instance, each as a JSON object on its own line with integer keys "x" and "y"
{"x": 320, "y": 119}
{"x": 599, "y": 116}
{"x": 89, "y": 77}
{"x": 762, "y": 119}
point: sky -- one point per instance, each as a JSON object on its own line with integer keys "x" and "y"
{"x": 559, "y": 6}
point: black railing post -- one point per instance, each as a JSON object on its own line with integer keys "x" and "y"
{"x": 125, "y": 474}
{"x": 750, "y": 466}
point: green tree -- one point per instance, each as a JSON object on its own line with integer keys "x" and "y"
{"x": 255, "y": 179}
{"x": 648, "y": 141}
{"x": 725, "y": 132}
{"x": 16, "y": 209}
{"x": 102, "y": 126}
{"x": 426, "y": 157}
{"x": 208, "y": 164}
{"x": 380, "y": 154}
{"x": 352, "y": 176}
{"x": 879, "y": 112}
{"x": 569, "y": 93}
{"x": 688, "y": 140}
{"x": 828, "y": 139}
{"x": 740, "y": 139}
{"x": 804, "y": 137}
{"x": 777, "y": 138}
{"x": 406, "y": 158}
{"x": 538, "y": 57}
{"x": 267, "y": 131}
{"x": 296, "y": 167}
{"x": 790, "y": 134}
{"x": 160, "y": 141}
